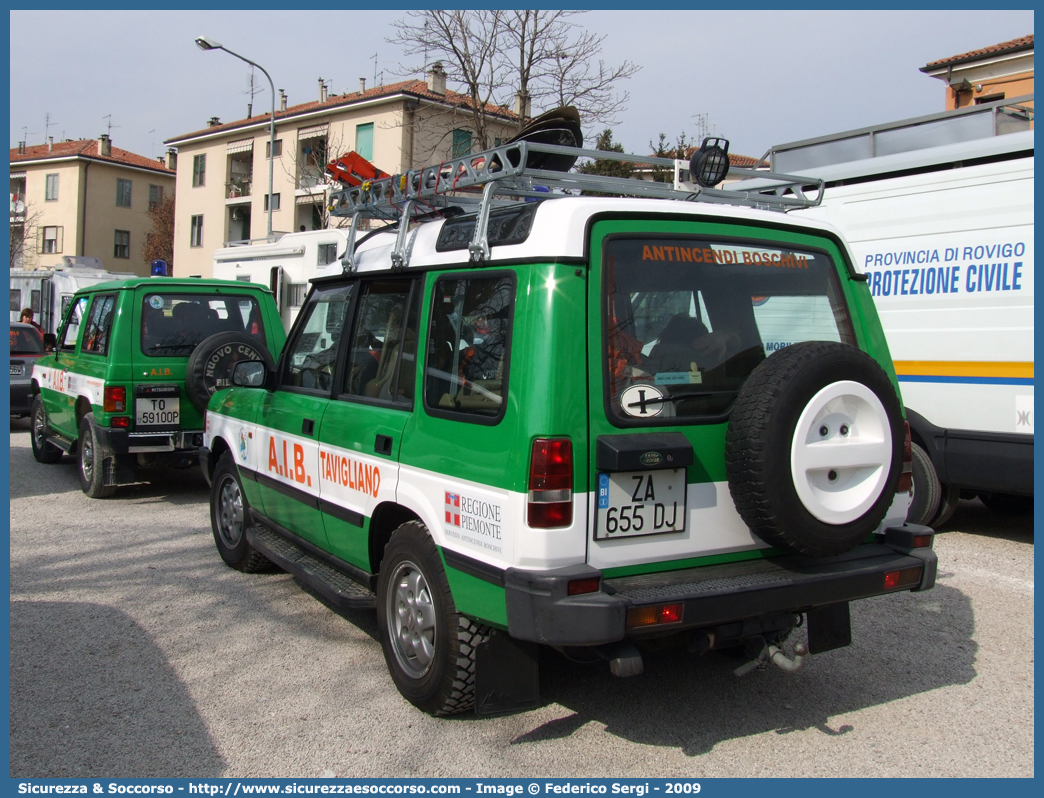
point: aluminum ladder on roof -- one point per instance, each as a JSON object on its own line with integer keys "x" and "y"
{"x": 472, "y": 181}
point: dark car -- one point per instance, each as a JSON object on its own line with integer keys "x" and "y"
{"x": 27, "y": 345}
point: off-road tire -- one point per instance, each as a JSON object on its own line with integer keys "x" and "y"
{"x": 435, "y": 668}
{"x": 927, "y": 490}
{"x": 90, "y": 461}
{"x": 792, "y": 388}
{"x": 209, "y": 367}
{"x": 43, "y": 451}
{"x": 230, "y": 519}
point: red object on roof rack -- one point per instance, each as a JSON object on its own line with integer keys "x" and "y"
{"x": 351, "y": 169}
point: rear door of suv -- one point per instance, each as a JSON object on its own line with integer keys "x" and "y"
{"x": 685, "y": 311}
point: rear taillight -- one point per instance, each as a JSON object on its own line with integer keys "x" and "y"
{"x": 906, "y": 477}
{"x": 551, "y": 483}
{"x": 115, "y": 399}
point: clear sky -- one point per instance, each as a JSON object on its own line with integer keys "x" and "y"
{"x": 756, "y": 77}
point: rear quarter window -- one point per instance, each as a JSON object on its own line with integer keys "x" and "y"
{"x": 688, "y": 319}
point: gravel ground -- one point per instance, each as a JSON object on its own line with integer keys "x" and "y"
{"x": 136, "y": 652}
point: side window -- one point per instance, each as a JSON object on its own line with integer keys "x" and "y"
{"x": 72, "y": 324}
{"x": 99, "y": 324}
{"x": 310, "y": 358}
{"x": 468, "y": 345}
{"x": 382, "y": 363}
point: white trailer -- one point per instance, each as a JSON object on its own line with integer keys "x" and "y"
{"x": 944, "y": 235}
{"x": 48, "y": 291}
{"x": 284, "y": 265}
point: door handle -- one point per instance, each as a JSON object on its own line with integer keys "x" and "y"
{"x": 307, "y": 427}
{"x": 383, "y": 444}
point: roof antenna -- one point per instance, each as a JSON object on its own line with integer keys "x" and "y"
{"x": 111, "y": 125}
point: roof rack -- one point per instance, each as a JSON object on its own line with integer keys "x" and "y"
{"x": 472, "y": 181}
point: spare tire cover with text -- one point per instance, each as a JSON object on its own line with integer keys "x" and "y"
{"x": 210, "y": 365}
{"x": 814, "y": 448}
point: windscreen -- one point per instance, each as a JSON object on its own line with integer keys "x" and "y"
{"x": 172, "y": 325}
{"x": 687, "y": 320}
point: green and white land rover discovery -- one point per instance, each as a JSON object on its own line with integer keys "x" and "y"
{"x": 584, "y": 422}
{"x": 135, "y": 364}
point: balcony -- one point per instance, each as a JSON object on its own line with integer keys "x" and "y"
{"x": 238, "y": 187}
{"x": 17, "y": 209}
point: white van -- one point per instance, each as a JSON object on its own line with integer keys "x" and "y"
{"x": 48, "y": 291}
{"x": 944, "y": 235}
{"x": 284, "y": 265}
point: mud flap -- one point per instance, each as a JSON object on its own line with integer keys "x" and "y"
{"x": 117, "y": 471}
{"x": 507, "y": 678}
{"x": 829, "y": 627}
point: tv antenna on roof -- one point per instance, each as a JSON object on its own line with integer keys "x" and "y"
{"x": 48, "y": 124}
{"x": 111, "y": 125}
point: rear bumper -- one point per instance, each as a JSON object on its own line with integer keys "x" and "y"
{"x": 539, "y": 607}
{"x": 122, "y": 441}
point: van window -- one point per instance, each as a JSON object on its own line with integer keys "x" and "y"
{"x": 687, "y": 320}
{"x": 469, "y": 345}
{"x": 310, "y": 359}
{"x": 172, "y": 325}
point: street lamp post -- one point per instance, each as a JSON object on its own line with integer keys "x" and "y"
{"x": 209, "y": 44}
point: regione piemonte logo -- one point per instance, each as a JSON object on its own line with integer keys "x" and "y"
{"x": 452, "y": 509}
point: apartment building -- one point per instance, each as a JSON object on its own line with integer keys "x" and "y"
{"x": 222, "y": 188}
{"x": 998, "y": 72}
{"x": 83, "y": 198}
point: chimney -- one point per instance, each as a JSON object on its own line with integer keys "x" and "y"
{"x": 437, "y": 78}
{"x": 523, "y": 105}
{"x": 21, "y": 148}
{"x": 50, "y": 143}
{"x": 213, "y": 122}
{"x": 172, "y": 159}
{"x": 104, "y": 145}
{"x": 282, "y": 100}
{"x": 362, "y": 85}
{"x": 322, "y": 90}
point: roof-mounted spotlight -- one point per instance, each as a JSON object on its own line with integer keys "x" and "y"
{"x": 710, "y": 163}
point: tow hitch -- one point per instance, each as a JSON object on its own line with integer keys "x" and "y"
{"x": 775, "y": 655}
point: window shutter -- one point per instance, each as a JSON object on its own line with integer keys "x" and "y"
{"x": 60, "y": 236}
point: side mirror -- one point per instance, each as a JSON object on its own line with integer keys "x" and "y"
{"x": 250, "y": 374}
{"x": 50, "y": 341}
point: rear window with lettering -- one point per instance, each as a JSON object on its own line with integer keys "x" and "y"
{"x": 686, "y": 320}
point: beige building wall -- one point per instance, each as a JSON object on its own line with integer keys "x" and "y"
{"x": 85, "y": 211}
{"x": 394, "y": 150}
{"x": 103, "y": 217}
{"x": 62, "y": 213}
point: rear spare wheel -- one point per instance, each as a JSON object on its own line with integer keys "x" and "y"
{"x": 210, "y": 365}
{"x": 814, "y": 448}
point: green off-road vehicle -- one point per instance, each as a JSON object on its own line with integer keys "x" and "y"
{"x": 135, "y": 364}
{"x": 526, "y": 417}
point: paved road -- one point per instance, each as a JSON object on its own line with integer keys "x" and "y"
{"x": 136, "y": 652}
